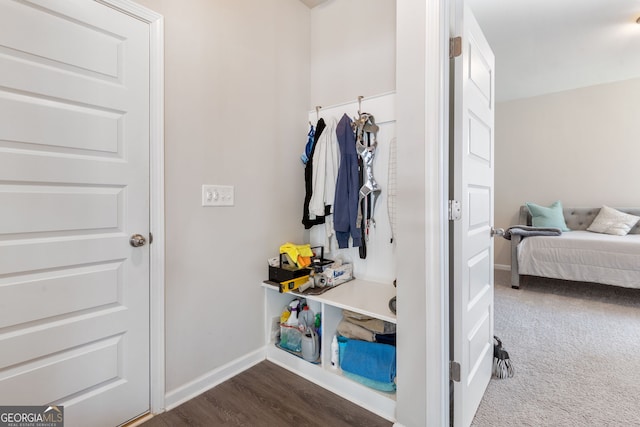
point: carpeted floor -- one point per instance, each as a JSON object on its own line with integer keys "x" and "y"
{"x": 576, "y": 352}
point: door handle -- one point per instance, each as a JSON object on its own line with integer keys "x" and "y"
{"x": 497, "y": 232}
{"x": 137, "y": 240}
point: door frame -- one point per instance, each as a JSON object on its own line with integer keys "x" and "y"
{"x": 422, "y": 105}
{"x": 155, "y": 22}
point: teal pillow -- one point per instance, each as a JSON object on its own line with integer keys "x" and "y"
{"x": 547, "y": 217}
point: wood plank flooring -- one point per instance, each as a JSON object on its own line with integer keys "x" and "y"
{"x": 270, "y": 396}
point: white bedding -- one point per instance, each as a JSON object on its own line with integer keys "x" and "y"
{"x": 583, "y": 256}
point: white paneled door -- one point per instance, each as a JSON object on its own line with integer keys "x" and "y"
{"x": 473, "y": 154}
{"x": 74, "y": 187}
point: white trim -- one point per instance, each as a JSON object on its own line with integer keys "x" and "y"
{"x": 156, "y": 188}
{"x": 213, "y": 378}
{"x": 502, "y": 267}
{"x": 437, "y": 125}
{"x": 130, "y": 8}
{"x": 157, "y": 256}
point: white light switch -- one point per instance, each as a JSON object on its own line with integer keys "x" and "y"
{"x": 217, "y": 195}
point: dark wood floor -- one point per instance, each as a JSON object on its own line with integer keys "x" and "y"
{"x": 270, "y": 396}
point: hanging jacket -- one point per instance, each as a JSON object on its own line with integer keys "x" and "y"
{"x": 325, "y": 172}
{"x": 345, "y": 205}
{"x": 307, "y": 148}
{"x": 308, "y": 180}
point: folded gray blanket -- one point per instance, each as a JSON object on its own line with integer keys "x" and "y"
{"x": 355, "y": 332}
{"x": 528, "y": 231}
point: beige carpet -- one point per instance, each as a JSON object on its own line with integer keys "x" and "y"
{"x": 576, "y": 352}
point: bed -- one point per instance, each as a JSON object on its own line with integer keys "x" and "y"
{"x": 578, "y": 255}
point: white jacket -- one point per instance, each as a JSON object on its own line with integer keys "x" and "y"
{"x": 326, "y": 160}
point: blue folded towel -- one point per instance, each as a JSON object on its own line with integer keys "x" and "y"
{"x": 370, "y": 360}
{"x": 388, "y": 387}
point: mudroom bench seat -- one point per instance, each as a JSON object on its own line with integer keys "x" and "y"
{"x": 578, "y": 255}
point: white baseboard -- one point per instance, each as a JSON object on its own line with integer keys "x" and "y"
{"x": 213, "y": 378}
{"x": 502, "y": 267}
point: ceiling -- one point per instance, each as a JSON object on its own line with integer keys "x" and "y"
{"x": 312, "y": 3}
{"x": 545, "y": 46}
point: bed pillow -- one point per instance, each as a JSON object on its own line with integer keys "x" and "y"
{"x": 547, "y": 216}
{"x": 612, "y": 221}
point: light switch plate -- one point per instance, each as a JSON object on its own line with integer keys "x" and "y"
{"x": 217, "y": 195}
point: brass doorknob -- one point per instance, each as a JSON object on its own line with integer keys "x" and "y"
{"x": 137, "y": 240}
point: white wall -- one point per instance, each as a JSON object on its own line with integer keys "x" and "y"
{"x": 353, "y": 46}
{"x": 578, "y": 146}
{"x": 240, "y": 78}
{"x": 237, "y": 85}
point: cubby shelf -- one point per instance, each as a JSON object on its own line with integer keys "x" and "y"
{"x": 365, "y": 297}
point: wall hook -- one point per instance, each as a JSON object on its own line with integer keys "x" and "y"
{"x": 318, "y": 107}
{"x": 360, "y": 103}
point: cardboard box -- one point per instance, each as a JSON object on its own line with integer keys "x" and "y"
{"x": 338, "y": 275}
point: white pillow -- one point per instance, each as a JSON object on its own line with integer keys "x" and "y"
{"x": 612, "y": 221}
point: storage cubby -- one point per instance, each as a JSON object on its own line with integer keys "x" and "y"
{"x": 366, "y": 297}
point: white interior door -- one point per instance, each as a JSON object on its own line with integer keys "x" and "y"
{"x": 74, "y": 186}
{"x": 472, "y": 241}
